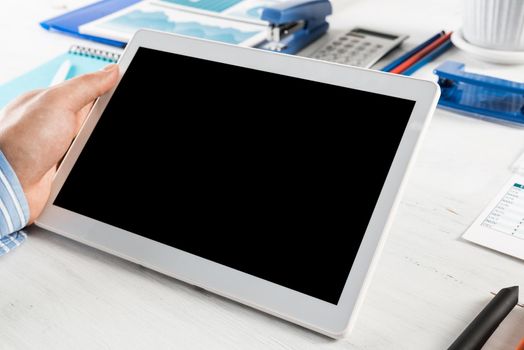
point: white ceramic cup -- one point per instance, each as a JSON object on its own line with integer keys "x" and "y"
{"x": 494, "y": 24}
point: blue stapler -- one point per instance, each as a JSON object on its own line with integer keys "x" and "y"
{"x": 294, "y": 24}
{"x": 480, "y": 95}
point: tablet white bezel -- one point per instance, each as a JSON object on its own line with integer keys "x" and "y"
{"x": 321, "y": 316}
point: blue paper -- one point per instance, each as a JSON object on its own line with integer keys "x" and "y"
{"x": 42, "y": 76}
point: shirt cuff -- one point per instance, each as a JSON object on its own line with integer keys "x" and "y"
{"x": 14, "y": 210}
{"x": 10, "y": 242}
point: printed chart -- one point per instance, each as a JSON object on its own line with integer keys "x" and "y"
{"x": 508, "y": 214}
{"x": 501, "y": 225}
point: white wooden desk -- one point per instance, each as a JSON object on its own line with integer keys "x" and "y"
{"x": 58, "y": 294}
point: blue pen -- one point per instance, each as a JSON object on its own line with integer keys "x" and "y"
{"x": 410, "y": 53}
{"x": 429, "y": 57}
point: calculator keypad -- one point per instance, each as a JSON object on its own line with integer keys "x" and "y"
{"x": 356, "y": 49}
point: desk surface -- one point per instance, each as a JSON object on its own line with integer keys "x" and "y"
{"x": 429, "y": 284}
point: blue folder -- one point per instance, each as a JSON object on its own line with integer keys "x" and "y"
{"x": 480, "y": 95}
{"x": 71, "y": 21}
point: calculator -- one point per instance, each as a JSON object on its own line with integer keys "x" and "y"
{"x": 359, "y": 47}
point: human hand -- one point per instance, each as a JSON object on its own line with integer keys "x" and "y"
{"x": 37, "y": 129}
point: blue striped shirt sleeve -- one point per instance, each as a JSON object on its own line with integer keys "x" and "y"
{"x": 14, "y": 210}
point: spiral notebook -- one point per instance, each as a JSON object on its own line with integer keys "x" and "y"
{"x": 83, "y": 60}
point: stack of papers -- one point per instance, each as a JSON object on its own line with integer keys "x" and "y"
{"x": 230, "y": 21}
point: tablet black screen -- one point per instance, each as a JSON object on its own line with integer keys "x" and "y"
{"x": 271, "y": 175}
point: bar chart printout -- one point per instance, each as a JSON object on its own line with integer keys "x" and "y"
{"x": 501, "y": 224}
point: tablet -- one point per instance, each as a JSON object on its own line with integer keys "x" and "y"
{"x": 266, "y": 178}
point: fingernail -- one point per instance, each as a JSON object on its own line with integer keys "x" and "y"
{"x": 110, "y": 68}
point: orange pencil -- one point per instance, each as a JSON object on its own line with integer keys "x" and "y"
{"x": 416, "y": 57}
{"x": 521, "y": 345}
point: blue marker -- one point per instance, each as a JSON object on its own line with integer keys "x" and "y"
{"x": 408, "y": 54}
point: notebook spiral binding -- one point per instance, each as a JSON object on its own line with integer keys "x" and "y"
{"x": 110, "y": 57}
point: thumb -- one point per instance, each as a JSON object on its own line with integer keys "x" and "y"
{"x": 84, "y": 89}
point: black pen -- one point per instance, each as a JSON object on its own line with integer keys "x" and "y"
{"x": 483, "y": 326}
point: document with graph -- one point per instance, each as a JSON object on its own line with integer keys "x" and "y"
{"x": 501, "y": 224}
{"x": 230, "y": 21}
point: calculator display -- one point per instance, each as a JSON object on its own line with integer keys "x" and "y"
{"x": 377, "y": 34}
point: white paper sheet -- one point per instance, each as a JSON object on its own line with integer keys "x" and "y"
{"x": 237, "y": 10}
{"x": 518, "y": 165}
{"x": 501, "y": 224}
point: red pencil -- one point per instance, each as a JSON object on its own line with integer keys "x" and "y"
{"x": 521, "y": 345}
{"x": 416, "y": 57}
